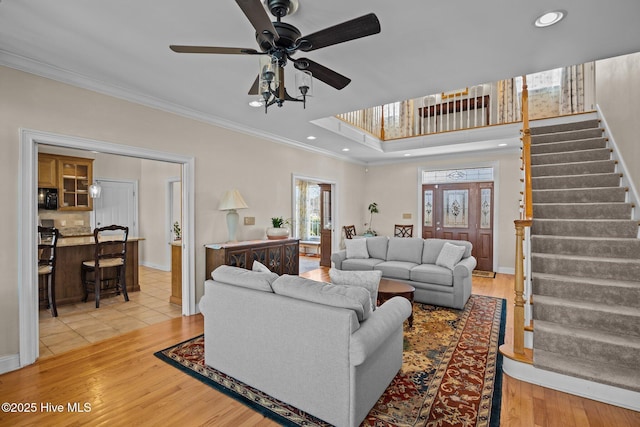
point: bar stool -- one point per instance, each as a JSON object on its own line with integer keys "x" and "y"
{"x": 47, "y": 244}
{"x": 106, "y": 272}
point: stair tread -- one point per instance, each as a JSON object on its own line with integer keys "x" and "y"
{"x": 586, "y": 258}
{"x": 578, "y": 188}
{"x": 587, "y": 238}
{"x": 573, "y": 163}
{"x": 586, "y": 305}
{"x": 569, "y": 152}
{"x": 591, "y": 334}
{"x": 606, "y": 373}
{"x": 590, "y": 280}
{"x": 581, "y": 203}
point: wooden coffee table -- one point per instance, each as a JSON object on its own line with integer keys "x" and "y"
{"x": 389, "y": 288}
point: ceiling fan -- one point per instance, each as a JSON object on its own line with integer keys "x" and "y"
{"x": 278, "y": 41}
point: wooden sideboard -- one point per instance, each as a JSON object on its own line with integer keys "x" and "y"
{"x": 280, "y": 256}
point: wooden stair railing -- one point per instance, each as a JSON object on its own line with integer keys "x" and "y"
{"x": 516, "y": 350}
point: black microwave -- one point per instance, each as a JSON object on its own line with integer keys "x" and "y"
{"x": 47, "y": 198}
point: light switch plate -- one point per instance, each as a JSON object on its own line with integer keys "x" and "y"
{"x": 249, "y": 220}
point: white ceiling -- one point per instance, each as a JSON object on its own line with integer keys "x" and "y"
{"x": 120, "y": 47}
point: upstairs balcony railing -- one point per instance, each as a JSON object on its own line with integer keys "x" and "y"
{"x": 558, "y": 92}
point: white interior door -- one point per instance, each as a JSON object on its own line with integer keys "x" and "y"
{"x": 118, "y": 204}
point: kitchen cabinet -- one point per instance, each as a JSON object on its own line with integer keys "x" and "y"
{"x": 280, "y": 256}
{"x": 72, "y": 176}
{"x": 75, "y": 177}
{"x": 47, "y": 171}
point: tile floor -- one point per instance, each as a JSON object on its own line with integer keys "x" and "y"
{"x": 80, "y": 324}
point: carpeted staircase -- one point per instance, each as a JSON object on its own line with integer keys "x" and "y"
{"x": 585, "y": 259}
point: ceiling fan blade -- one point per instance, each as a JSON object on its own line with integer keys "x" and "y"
{"x": 257, "y": 15}
{"x": 322, "y": 73}
{"x": 212, "y": 49}
{"x": 254, "y": 87}
{"x": 350, "y": 30}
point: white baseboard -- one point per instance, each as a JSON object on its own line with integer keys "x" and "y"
{"x": 576, "y": 386}
{"x": 9, "y": 363}
{"x": 506, "y": 270}
{"x": 156, "y": 266}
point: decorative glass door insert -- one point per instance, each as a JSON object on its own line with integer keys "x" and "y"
{"x": 456, "y": 208}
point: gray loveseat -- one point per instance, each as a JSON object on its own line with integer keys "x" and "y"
{"x": 332, "y": 358}
{"x": 413, "y": 261}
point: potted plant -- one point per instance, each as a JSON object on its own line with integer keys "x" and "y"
{"x": 373, "y": 208}
{"x": 176, "y": 231}
{"x": 278, "y": 230}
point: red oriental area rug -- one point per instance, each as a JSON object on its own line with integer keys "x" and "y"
{"x": 451, "y": 373}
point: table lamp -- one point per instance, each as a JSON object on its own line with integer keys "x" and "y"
{"x": 231, "y": 201}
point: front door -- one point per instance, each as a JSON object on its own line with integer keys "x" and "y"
{"x": 461, "y": 211}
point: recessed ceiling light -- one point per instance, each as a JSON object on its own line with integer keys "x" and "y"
{"x": 311, "y": 137}
{"x": 255, "y": 104}
{"x": 504, "y": 144}
{"x": 550, "y": 18}
{"x": 345, "y": 149}
{"x": 407, "y": 154}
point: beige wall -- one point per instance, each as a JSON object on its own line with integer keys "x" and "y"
{"x": 618, "y": 95}
{"x": 221, "y": 163}
{"x": 395, "y": 188}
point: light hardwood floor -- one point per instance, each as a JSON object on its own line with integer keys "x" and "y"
{"x": 124, "y": 384}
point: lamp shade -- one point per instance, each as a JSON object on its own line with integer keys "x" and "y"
{"x": 232, "y": 200}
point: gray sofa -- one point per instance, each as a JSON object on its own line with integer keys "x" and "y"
{"x": 413, "y": 261}
{"x": 316, "y": 346}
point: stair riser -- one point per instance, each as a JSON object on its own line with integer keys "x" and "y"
{"x": 566, "y": 127}
{"x": 585, "y": 291}
{"x": 568, "y": 182}
{"x": 566, "y": 136}
{"x": 561, "y": 147}
{"x": 588, "y": 319}
{"x": 571, "y": 157}
{"x": 592, "y": 195}
{"x": 585, "y": 348}
{"x": 581, "y": 247}
{"x": 613, "y": 269}
{"x": 584, "y": 168}
{"x": 624, "y": 229}
{"x": 582, "y": 211}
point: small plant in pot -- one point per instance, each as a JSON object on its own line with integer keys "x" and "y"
{"x": 373, "y": 208}
{"x": 279, "y": 229}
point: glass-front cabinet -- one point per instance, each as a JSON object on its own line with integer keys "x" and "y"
{"x": 76, "y": 175}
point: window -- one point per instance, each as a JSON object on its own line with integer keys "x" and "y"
{"x": 457, "y": 175}
{"x": 307, "y": 210}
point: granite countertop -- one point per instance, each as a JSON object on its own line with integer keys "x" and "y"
{"x": 86, "y": 240}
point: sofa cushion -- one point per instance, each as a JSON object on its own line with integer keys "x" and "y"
{"x": 431, "y": 273}
{"x": 450, "y": 255}
{"x": 350, "y": 297}
{"x": 369, "y": 280}
{"x": 432, "y": 248}
{"x": 258, "y": 266}
{"x": 360, "y": 264}
{"x": 396, "y": 269}
{"x": 356, "y": 248}
{"x": 260, "y": 281}
{"x": 405, "y": 249}
{"x": 377, "y": 246}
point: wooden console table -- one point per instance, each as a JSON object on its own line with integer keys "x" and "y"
{"x": 280, "y": 256}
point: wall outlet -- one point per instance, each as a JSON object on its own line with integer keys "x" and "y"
{"x": 249, "y": 220}
{"x": 406, "y": 216}
{"x": 63, "y": 223}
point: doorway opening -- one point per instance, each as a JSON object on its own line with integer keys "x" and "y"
{"x": 312, "y": 224}
{"x": 27, "y": 285}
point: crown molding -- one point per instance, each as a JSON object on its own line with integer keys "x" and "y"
{"x": 72, "y": 78}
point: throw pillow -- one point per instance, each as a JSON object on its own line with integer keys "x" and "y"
{"x": 450, "y": 255}
{"x": 258, "y": 266}
{"x": 356, "y": 248}
{"x": 370, "y": 280}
